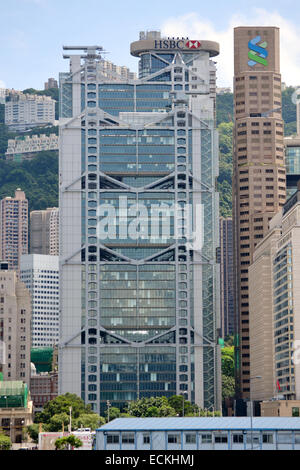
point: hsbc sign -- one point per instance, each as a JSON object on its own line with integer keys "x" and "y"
{"x": 177, "y": 44}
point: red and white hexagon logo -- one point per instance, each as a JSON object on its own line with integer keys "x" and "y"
{"x": 193, "y": 44}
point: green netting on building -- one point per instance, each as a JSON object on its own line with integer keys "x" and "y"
{"x": 42, "y": 359}
{"x": 13, "y": 394}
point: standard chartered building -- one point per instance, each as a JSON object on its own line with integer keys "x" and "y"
{"x": 139, "y": 225}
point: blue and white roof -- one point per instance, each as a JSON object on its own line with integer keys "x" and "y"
{"x": 199, "y": 424}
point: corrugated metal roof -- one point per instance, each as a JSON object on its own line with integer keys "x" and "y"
{"x": 170, "y": 424}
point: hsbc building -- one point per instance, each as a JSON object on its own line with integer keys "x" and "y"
{"x": 140, "y": 317}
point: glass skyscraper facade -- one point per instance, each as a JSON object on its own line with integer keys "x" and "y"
{"x": 138, "y": 164}
{"x": 292, "y": 162}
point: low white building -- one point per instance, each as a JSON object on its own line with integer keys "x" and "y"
{"x": 40, "y": 274}
{"x": 26, "y": 147}
{"x": 199, "y": 434}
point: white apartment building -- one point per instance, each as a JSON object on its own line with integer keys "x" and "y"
{"x": 41, "y": 277}
{"x": 26, "y": 147}
{"x": 24, "y": 111}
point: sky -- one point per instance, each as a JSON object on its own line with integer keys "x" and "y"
{"x": 32, "y": 32}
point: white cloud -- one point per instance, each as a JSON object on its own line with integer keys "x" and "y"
{"x": 2, "y": 84}
{"x": 195, "y": 27}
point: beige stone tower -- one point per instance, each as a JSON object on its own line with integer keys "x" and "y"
{"x": 15, "y": 331}
{"x": 259, "y": 187}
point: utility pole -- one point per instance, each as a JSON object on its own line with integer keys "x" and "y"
{"x": 70, "y": 420}
{"x": 108, "y": 406}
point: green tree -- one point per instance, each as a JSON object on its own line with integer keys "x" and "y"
{"x": 5, "y": 442}
{"x": 33, "y": 431}
{"x": 60, "y": 405}
{"x": 57, "y": 422}
{"x": 90, "y": 420}
{"x": 228, "y": 387}
{"x": 114, "y": 413}
{"x": 153, "y": 406}
{"x": 176, "y": 402}
{"x": 63, "y": 443}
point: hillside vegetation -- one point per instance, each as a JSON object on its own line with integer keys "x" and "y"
{"x": 39, "y": 177}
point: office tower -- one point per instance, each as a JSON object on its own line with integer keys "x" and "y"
{"x": 139, "y": 314}
{"x": 41, "y": 277}
{"x": 259, "y": 171}
{"x": 15, "y": 317}
{"x": 284, "y": 326}
{"x": 24, "y": 111}
{"x": 227, "y": 277}
{"x": 14, "y": 228}
{"x": 44, "y": 232}
{"x": 51, "y": 83}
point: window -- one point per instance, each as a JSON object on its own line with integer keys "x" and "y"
{"x": 284, "y": 438}
{"x": 267, "y": 438}
{"x": 238, "y": 438}
{"x": 295, "y": 412}
{"x": 206, "y": 438}
{"x": 190, "y": 438}
{"x": 128, "y": 438}
{"x": 221, "y": 438}
{"x": 174, "y": 439}
{"x": 112, "y": 439}
{"x": 146, "y": 438}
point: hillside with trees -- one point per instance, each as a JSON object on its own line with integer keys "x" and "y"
{"x": 39, "y": 177}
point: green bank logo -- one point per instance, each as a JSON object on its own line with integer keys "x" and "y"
{"x": 257, "y": 52}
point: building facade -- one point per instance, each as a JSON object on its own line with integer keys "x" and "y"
{"x": 14, "y": 229}
{"x": 41, "y": 276}
{"x": 279, "y": 360}
{"x": 15, "y": 335}
{"x": 261, "y": 315}
{"x": 259, "y": 180}
{"x": 27, "y": 147}
{"x": 227, "y": 277}
{"x": 24, "y": 111}
{"x": 16, "y": 410}
{"x": 292, "y": 162}
{"x": 197, "y": 434}
{"x": 51, "y": 83}
{"x": 43, "y": 388}
{"x": 44, "y": 232}
{"x": 140, "y": 313}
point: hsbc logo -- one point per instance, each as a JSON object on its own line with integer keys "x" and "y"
{"x": 193, "y": 44}
{"x": 177, "y": 44}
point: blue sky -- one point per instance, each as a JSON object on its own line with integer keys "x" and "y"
{"x": 33, "y": 31}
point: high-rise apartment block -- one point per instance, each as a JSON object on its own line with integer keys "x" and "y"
{"x": 25, "y": 111}
{"x": 140, "y": 304}
{"x": 227, "y": 277}
{"x": 116, "y": 72}
{"x": 44, "y": 232}
{"x": 274, "y": 307}
{"x": 14, "y": 229}
{"x": 259, "y": 171}
{"x": 15, "y": 336}
{"x": 41, "y": 277}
